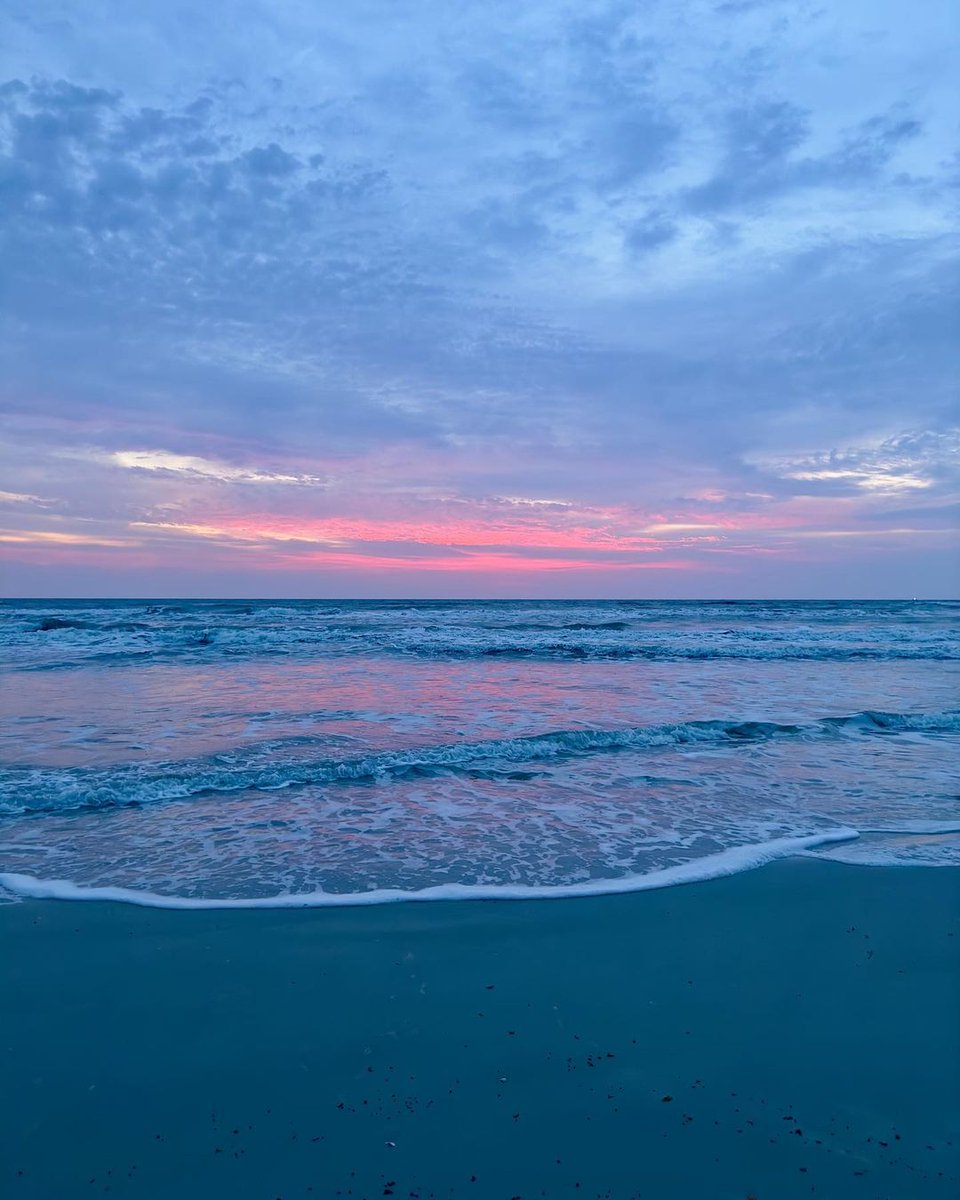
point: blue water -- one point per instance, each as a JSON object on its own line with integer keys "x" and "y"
{"x": 226, "y": 751}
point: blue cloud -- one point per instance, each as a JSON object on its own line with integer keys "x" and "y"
{"x": 653, "y": 229}
{"x": 759, "y": 162}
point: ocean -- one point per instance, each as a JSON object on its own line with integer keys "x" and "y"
{"x": 213, "y": 753}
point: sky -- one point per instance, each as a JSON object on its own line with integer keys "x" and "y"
{"x": 456, "y": 298}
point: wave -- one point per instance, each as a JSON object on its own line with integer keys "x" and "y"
{"x": 915, "y": 827}
{"x": 206, "y": 646}
{"x": 48, "y": 624}
{"x": 34, "y": 790}
{"x": 751, "y": 653}
{"x": 917, "y": 843}
{"x": 45, "y": 638}
{"x": 554, "y": 626}
{"x": 731, "y": 861}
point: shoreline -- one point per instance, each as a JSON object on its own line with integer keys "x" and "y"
{"x": 800, "y": 1017}
{"x": 732, "y": 861}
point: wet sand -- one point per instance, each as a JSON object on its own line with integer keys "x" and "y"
{"x": 787, "y": 1032}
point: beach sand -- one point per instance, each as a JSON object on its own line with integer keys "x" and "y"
{"x": 788, "y": 1032}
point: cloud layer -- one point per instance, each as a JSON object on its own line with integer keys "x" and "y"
{"x": 472, "y": 298}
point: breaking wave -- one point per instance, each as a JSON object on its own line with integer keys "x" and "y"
{"x": 259, "y": 767}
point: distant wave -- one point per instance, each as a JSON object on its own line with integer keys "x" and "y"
{"x": 205, "y": 646}
{"x": 40, "y": 636}
{"x": 713, "y": 866}
{"x": 524, "y": 626}
{"x": 49, "y": 624}
{"x": 32, "y": 790}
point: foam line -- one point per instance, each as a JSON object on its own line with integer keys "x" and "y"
{"x": 918, "y": 827}
{"x": 726, "y": 862}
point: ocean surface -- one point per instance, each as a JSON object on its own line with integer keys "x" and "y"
{"x": 193, "y": 753}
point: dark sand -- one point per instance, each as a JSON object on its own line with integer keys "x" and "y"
{"x": 790, "y": 1032}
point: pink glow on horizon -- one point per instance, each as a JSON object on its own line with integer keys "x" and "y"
{"x": 204, "y": 527}
{"x": 340, "y": 531}
{"x": 501, "y": 564}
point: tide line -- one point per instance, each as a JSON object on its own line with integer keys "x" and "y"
{"x": 713, "y": 866}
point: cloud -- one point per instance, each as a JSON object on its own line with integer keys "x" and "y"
{"x": 202, "y": 468}
{"x": 759, "y": 162}
{"x": 22, "y": 498}
{"x": 911, "y": 461}
{"x": 48, "y": 537}
{"x": 653, "y": 229}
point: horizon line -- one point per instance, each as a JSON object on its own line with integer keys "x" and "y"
{"x": 494, "y": 599}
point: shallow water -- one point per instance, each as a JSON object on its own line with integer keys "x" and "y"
{"x": 241, "y": 751}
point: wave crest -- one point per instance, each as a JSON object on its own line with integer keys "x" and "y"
{"x": 32, "y": 790}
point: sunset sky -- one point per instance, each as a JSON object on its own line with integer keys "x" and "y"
{"x": 476, "y": 298}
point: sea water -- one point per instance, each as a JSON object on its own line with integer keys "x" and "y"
{"x": 212, "y": 752}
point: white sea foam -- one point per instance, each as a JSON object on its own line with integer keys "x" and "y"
{"x": 731, "y": 861}
{"x": 900, "y": 844}
{"x": 918, "y": 827}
